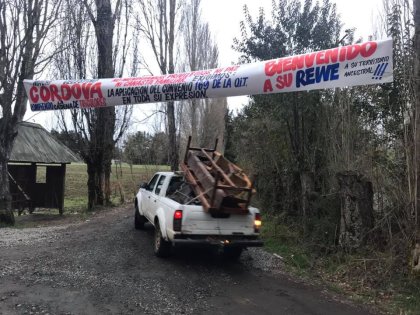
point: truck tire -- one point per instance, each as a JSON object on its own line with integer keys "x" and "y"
{"x": 162, "y": 247}
{"x": 232, "y": 253}
{"x": 139, "y": 220}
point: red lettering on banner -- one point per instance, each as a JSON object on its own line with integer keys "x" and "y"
{"x": 267, "y": 86}
{"x": 97, "y": 102}
{"x": 309, "y": 60}
{"x": 65, "y": 92}
{"x": 284, "y": 80}
{"x": 298, "y": 62}
{"x": 287, "y": 64}
{"x": 45, "y": 94}
{"x": 353, "y": 51}
{"x": 367, "y": 52}
{"x": 328, "y": 56}
{"x": 331, "y": 55}
{"x": 231, "y": 68}
{"x": 54, "y": 93}
{"x": 86, "y": 90}
{"x": 342, "y": 55}
{"x": 321, "y": 58}
{"x": 76, "y": 91}
{"x": 33, "y": 94}
{"x": 96, "y": 89}
{"x": 270, "y": 68}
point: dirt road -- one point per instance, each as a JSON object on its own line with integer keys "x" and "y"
{"x": 105, "y": 266}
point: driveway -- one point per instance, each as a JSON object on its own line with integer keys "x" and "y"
{"x": 105, "y": 266}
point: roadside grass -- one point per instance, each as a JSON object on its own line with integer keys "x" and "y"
{"x": 125, "y": 182}
{"x": 367, "y": 276}
{"x": 283, "y": 240}
{"x": 124, "y": 179}
{"x": 364, "y": 276}
{"x": 407, "y": 298}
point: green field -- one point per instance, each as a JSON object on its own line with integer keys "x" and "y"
{"x": 127, "y": 182}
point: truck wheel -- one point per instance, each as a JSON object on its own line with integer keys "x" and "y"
{"x": 139, "y": 220}
{"x": 232, "y": 253}
{"x": 162, "y": 247}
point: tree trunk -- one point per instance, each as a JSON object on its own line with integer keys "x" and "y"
{"x": 307, "y": 188}
{"x": 8, "y": 133}
{"x": 194, "y": 131}
{"x": 108, "y": 152}
{"x": 357, "y": 219}
{"x": 104, "y": 29}
{"x": 417, "y": 106}
{"x": 99, "y": 183}
{"x": 6, "y": 213}
{"x": 107, "y": 181}
{"x": 9, "y": 121}
{"x": 162, "y": 39}
{"x": 173, "y": 147}
{"x": 416, "y": 267}
{"x": 7, "y": 136}
{"x": 91, "y": 186}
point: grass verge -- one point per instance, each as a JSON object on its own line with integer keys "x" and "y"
{"x": 369, "y": 276}
{"x": 125, "y": 182}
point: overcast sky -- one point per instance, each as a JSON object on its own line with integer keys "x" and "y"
{"x": 224, "y": 17}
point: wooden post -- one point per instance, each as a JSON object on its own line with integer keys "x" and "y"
{"x": 187, "y": 149}
{"x": 356, "y": 194}
{"x": 216, "y": 183}
{"x": 63, "y": 172}
{"x": 215, "y": 148}
{"x": 6, "y": 213}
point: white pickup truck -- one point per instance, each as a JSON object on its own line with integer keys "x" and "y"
{"x": 170, "y": 205}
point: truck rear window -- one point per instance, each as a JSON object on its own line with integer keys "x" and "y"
{"x": 180, "y": 191}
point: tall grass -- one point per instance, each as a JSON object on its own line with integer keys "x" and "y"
{"x": 124, "y": 180}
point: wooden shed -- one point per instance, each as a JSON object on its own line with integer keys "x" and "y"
{"x": 37, "y": 169}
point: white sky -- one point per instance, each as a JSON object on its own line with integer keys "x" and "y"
{"x": 224, "y": 17}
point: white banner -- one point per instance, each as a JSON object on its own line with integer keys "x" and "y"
{"x": 358, "y": 64}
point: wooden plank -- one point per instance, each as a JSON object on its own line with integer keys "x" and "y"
{"x": 204, "y": 175}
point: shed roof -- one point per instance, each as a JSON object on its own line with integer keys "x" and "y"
{"x": 36, "y": 145}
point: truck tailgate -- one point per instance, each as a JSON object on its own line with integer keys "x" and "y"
{"x": 196, "y": 221}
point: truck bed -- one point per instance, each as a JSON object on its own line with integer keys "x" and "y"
{"x": 221, "y": 186}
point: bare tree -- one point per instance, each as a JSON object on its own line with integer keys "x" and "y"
{"x": 212, "y": 122}
{"x": 98, "y": 130}
{"x": 159, "y": 27}
{"x": 191, "y": 21}
{"x": 417, "y": 120}
{"x": 104, "y": 23}
{"x": 202, "y": 119}
{"x": 24, "y": 30}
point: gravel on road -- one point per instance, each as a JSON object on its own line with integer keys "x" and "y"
{"x": 104, "y": 266}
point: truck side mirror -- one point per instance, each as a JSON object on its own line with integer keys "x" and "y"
{"x": 143, "y": 185}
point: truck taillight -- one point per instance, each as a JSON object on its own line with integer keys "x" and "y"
{"x": 257, "y": 222}
{"x": 177, "y": 220}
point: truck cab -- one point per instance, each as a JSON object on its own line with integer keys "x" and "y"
{"x": 169, "y": 203}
